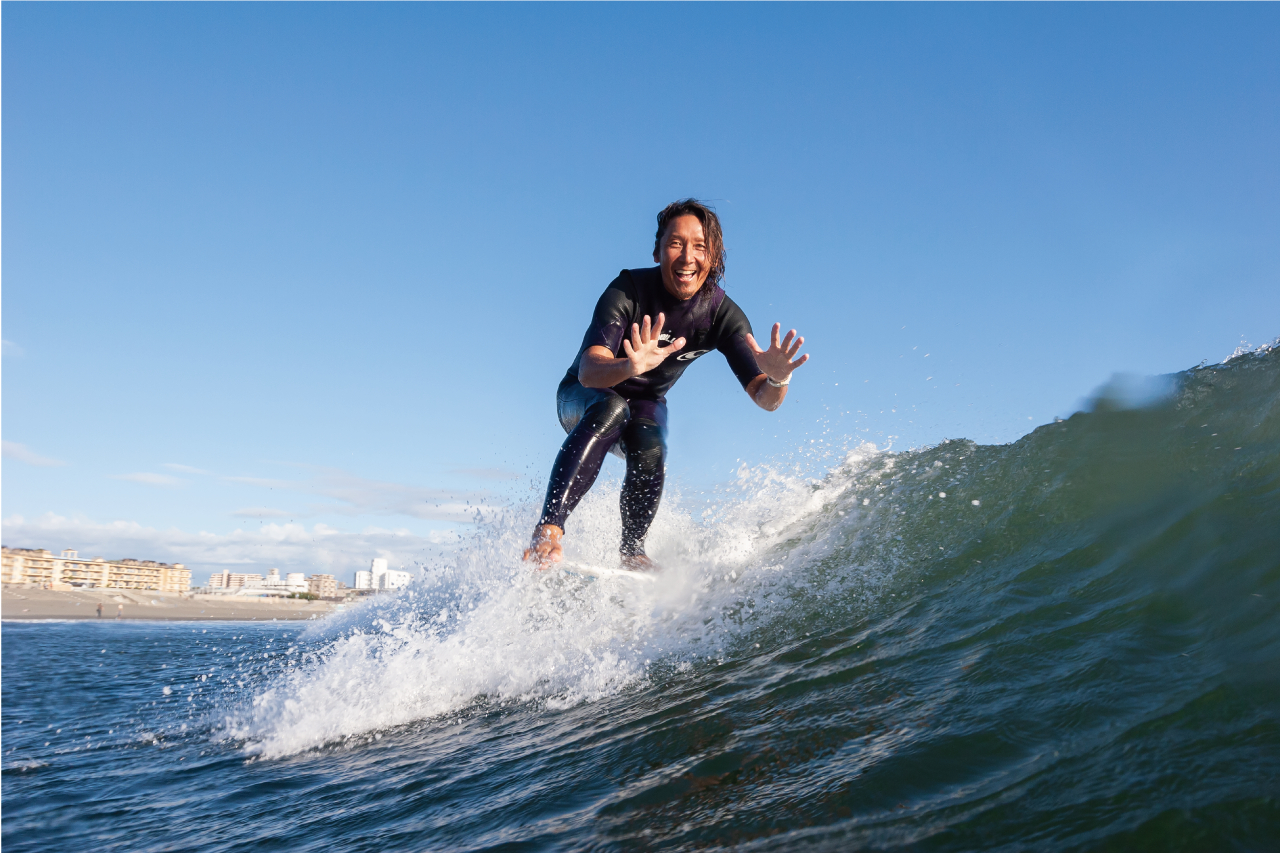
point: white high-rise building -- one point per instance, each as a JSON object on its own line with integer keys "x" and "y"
{"x": 380, "y": 577}
{"x": 392, "y": 579}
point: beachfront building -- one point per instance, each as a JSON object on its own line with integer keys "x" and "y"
{"x": 380, "y": 577}
{"x": 227, "y": 579}
{"x": 257, "y": 585}
{"x": 227, "y": 582}
{"x": 39, "y": 566}
{"x": 393, "y": 579}
{"x": 325, "y": 586}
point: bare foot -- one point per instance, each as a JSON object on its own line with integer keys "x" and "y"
{"x": 640, "y": 563}
{"x": 545, "y": 547}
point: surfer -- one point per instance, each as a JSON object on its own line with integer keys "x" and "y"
{"x": 649, "y": 326}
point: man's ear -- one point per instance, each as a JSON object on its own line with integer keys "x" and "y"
{"x": 655, "y": 257}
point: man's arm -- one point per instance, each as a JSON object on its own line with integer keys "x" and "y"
{"x": 776, "y": 364}
{"x": 599, "y": 369}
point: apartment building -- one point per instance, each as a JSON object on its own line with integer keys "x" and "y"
{"x": 39, "y": 566}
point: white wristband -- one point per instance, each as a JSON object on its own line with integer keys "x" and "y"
{"x": 775, "y": 383}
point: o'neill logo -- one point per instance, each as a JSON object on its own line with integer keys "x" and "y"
{"x": 690, "y": 356}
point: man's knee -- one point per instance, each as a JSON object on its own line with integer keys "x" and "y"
{"x": 607, "y": 415}
{"x": 646, "y": 447}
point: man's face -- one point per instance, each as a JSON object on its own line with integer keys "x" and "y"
{"x": 684, "y": 257}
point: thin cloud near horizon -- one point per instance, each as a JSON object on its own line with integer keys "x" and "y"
{"x": 352, "y": 495}
{"x": 22, "y": 453}
{"x": 487, "y": 473}
{"x": 262, "y": 512}
{"x": 149, "y": 479}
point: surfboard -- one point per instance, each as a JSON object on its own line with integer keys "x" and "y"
{"x": 587, "y": 570}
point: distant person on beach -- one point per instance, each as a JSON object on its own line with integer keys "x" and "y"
{"x": 99, "y": 609}
{"x": 650, "y": 325}
{"x": 119, "y": 610}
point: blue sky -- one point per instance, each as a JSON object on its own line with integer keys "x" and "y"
{"x": 293, "y": 284}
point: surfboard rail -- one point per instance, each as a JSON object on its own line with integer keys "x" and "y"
{"x": 576, "y": 567}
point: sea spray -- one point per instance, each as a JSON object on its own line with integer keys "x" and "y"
{"x": 486, "y": 629}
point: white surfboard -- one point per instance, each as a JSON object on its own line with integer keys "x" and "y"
{"x": 588, "y": 570}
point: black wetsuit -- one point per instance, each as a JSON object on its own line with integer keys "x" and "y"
{"x": 630, "y": 418}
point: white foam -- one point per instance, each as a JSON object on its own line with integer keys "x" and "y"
{"x": 486, "y": 629}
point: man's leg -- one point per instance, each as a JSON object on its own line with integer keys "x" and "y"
{"x": 578, "y": 463}
{"x": 646, "y": 446}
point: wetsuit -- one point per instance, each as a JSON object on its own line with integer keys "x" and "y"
{"x": 630, "y": 419}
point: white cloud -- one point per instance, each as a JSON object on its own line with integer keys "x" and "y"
{"x": 265, "y": 483}
{"x": 288, "y": 547}
{"x": 11, "y": 349}
{"x": 263, "y": 512}
{"x": 183, "y": 469}
{"x": 360, "y": 496}
{"x": 150, "y": 479}
{"x": 14, "y": 450}
{"x": 357, "y": 495}
{"x": 488, "y": 473}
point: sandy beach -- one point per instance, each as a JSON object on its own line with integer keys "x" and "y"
{"x": 21, "y": 603}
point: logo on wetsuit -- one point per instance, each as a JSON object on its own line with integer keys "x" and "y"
{"x": 665, "y": 340}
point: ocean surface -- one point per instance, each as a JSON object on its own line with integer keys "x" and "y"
{"x": 1071, "y": 642}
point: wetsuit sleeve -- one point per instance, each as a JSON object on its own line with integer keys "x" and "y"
{"x": 732, "y": 341}
{"x": 612, "y": 316}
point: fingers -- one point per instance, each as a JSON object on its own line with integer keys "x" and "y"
{"x": 755, "y": 347}
{"x": 799, "y": 361}
{"x": 790, "y": 345}
{"x": 647, "y": 334}
{"x": 628, "y": 348}
{"x": 675, "y": 345}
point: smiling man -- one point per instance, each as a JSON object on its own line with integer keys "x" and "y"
{"x": 649, "y": 326}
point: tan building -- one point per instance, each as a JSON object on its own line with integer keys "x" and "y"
{"x": 325, "y": 586}
{"x": 231, "y": 580}
{"x": 30, "y": 565}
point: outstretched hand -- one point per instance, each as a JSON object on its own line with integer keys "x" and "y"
{"x": 643, "y": 351}
{"x": 776, "y": 361}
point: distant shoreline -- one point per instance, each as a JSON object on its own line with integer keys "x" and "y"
{"x": 140, "y": 605}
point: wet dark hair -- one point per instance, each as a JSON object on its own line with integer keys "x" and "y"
{"x": 710, "y": 227}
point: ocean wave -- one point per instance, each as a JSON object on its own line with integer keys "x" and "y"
{"x": 986, "y": 634}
